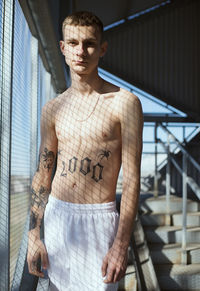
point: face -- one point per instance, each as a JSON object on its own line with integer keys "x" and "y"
{"x": 82, "y": 48}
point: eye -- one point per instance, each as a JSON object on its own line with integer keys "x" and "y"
{"x": 90, "y": 44}
{"x": 72, "y": 43}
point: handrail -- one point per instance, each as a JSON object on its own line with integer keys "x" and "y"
{"x": 186, "y": 180}
{"x": 193, "y": 185}
{"x": 197, "y": 166}
{"x": 171, "y": 158}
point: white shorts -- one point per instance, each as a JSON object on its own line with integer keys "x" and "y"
{"x": 77, "y": 238}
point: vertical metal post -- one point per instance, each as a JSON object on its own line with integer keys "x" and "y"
{"x": 6, "y": 67}
{"x": 156, "y": 162}
{"x": 25, "y": 276}
{"x": 34, "y": 104}
{"x": 184, "y": 133}
{"x": 184, "y": 212}
{"x": 168, "y": 220}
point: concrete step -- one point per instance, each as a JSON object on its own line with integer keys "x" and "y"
{"x": 143, "y": 260}
{"x": 178, "y": 277}
{"x": 193, "y": 219}
{"x": 159, "y": 219}
{"x": 171, "y": 253}
{"x": 155, "y": 219}
{"x": 158, "y": 204}
{"x": 128, "y": 282}
{"x": 171, "y": 234}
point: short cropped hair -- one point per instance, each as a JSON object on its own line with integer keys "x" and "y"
{"x": 83, "y": 18}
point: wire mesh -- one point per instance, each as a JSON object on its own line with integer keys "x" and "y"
{"x": 6, "y": 21}
{"x": 21, "y": 125}
{"x": 18, "y": 125}
{"x": 91, "y": 128}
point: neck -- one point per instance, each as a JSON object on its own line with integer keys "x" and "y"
{"x": 86, "y": 84}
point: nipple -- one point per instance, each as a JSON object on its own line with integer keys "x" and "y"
{"x": 74, "y": 185}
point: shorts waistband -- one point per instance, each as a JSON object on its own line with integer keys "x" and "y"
{"x": 82, "y": 208}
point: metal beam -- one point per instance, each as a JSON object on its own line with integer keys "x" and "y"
{"x": 154, "y": 117}
{"x": 39, "y": 18}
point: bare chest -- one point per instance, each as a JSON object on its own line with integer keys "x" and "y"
{"x": 93, "y": 122}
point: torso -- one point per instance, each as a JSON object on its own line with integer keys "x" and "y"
{"x": 89, "y": 149}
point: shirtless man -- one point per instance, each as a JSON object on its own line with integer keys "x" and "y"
{"x": 92, "y": 127}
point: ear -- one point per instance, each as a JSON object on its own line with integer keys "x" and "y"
{"x": 104, "y": 47}
{"x": 62, "y": 46}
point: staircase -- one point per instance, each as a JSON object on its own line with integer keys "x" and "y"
{"x": 163, "y": 234}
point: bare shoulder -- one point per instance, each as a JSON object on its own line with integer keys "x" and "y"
{"x": 126, "y": 97}
{"x": 126, "y": 104}
{"x": 49, "y": 110}
{"x": 53, "y": 103}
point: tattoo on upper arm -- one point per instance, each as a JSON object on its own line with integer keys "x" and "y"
{"x": 47, "y": 159}
{"x": 38, "y": 167}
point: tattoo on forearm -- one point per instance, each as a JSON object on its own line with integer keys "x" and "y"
{"x": 39, "y": 199}
{"x": 85, "y": 167}
{"x": 38, "y": 203}
{"x": 33, "y": 221}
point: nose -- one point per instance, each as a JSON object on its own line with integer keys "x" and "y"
{"x": 80, "y": 50}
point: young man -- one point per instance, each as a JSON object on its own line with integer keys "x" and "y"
{"x": 93, "y": 127}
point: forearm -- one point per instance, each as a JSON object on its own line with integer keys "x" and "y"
{"x": 128, "y": 211}
{"x": 40, "y": 190}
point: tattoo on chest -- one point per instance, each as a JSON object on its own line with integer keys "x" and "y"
{"x": 104, "y": 154}
{"x": 85, "y": 167}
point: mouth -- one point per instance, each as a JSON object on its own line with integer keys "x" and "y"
{"x": 80, "y": 62}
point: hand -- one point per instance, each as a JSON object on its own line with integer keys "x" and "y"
{"x": 114, "y": 264}
{"x": 36, "y": 251}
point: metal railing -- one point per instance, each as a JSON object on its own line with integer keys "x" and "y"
{"x": 186, "y": 180}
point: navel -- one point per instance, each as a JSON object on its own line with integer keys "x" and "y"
{"x": 74, "y": 185}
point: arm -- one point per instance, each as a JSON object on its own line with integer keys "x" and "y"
{"x": 131, "y": 119}
{"x": 40, "y": 189}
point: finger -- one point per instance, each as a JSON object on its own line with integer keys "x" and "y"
{"x": 37, "y": 273}
{"x": 116, "y": 276}
{"x": 121, "y": 275}
{"x": 104, "y": 267}
{"x": 29, "y": 266}
{"x": 44, "y": 260}
{"x": 109, "y": 276}
{"x": 36, "y": 270}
